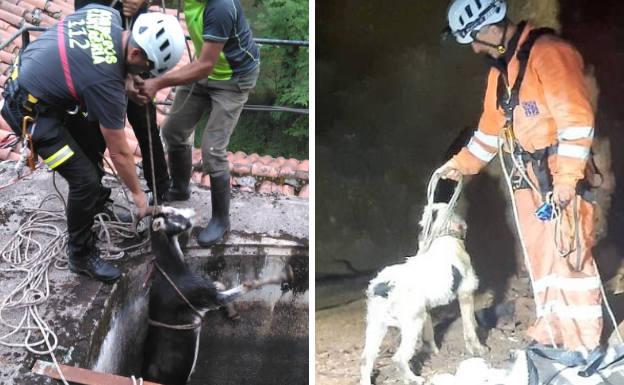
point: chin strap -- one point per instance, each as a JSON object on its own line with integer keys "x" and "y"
{"x": 500, "y": 47}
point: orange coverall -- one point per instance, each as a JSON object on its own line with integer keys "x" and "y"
{"x": 554, "y": 108}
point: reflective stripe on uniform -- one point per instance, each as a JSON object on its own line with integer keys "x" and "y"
{"x": 477, "y": 150}
{"x": 564, "y": 283}
{"x": 490, "y": 140}
{"x": 573, "y": 151}
{"x": 579, "y": 312}
{"x": 574, "y": 133}
{"x": 59, "y": 157}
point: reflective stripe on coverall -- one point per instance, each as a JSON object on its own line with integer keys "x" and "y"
{"x": 554, "y": 108}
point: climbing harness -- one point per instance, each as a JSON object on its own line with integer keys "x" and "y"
{"x": 548, "y": 210}
{"x": 27, "y": 153}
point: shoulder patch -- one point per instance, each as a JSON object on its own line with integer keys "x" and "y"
{"x": 530, "y": 108}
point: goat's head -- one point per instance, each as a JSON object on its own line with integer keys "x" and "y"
{"x": 436, "y": 219}
{"x": 173, "y": 221}
{"x": 169, "y": 224}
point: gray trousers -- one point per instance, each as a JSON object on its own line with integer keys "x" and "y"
{"x": 223, "y": 100}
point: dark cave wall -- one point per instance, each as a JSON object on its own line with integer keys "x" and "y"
{"x": 390, "y": 99}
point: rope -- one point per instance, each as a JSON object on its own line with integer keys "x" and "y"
{"x": 428, "y": 233}
{"x": 525, "y": 253}
{"x": 151, "y": 147}
{"x": 191, "y": 326}
{"x": 190, "y": 305}
{"x": 38, "y": 244}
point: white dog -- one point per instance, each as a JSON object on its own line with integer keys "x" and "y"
{"x": 401, "y": 295}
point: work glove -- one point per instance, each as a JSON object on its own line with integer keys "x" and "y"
{"x": 563, "y": 194}
{"x": 450, "y": 170}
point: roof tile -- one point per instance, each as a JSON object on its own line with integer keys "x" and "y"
{"x": 305, "y": 192}
{"x": 4, "y": 153}
{"x": 13, "y": 156}
{"x": 288, "y": 190}
{"x": 253, "y": 157}
{"x": 265, "y": 159}
{"x": 41, "y": 4}
{"x": 303, "y": 170}
{"x": 62, "y": 6}
{"x": 196, "y": 177}
{"x": 12, "y": 8}
{"x": 205, "y": 181}
{"x": 268, "y": 187}
{"x": 287, "y": 171}
{"x": 6, "y": 57}
{"x": 47, "y": 20}
{"x": 242, "y": 166}
{"x": 239, "y": 155}
{"x": 11, "y": 18}
{"x": 196, "y": 155}
{"x": 4, "y": 133}
{"x": 265, "y": 170}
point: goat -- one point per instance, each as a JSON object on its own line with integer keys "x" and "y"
{"x": 178, "y": 300}
{"x": 401, "y": 295}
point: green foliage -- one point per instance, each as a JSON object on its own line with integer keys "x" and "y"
{"x": 284, "y": 79}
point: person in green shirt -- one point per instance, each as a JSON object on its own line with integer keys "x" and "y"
{"x": 218, "y": 82}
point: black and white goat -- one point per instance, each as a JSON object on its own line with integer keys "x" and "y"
{"x": 178, "y": 300}
{"x": 401, "y": 295}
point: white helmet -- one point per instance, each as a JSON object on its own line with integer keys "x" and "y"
{"x": 161, "y": 37}
{"x": 465, "y": 16}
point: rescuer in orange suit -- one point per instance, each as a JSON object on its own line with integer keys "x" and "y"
{"x": 550, "y": 123}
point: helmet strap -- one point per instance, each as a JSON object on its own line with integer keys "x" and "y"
{"x": 125, "y": 58}
{"x": 500, "y": 47}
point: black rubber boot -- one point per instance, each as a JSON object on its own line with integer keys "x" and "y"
{"x": 220, "y": 222}
{"x": 180, "y": 171}
{"x": 95, "y": 267}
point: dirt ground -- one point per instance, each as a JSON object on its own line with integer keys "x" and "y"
{"x": 340, "y": 339}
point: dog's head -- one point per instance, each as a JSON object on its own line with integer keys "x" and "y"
{"x": 173, "y": 221}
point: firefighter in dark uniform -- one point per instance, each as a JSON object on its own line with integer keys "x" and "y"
{"x": 137, "y": 117}
{"x": 83, "y": 62}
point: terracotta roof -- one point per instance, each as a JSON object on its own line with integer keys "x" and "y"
{"x": 253, "y": 172}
